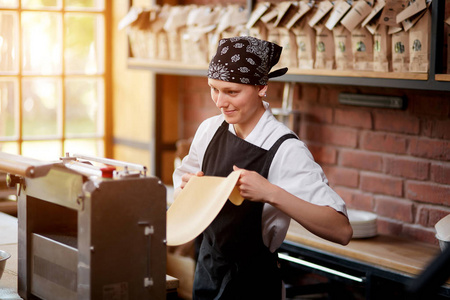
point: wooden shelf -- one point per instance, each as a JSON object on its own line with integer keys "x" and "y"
{"x": 430, "y": 81}
{"x": 442, "y": 77}
{"x": 419, "y": 81}
{"x": 365, "y": 74}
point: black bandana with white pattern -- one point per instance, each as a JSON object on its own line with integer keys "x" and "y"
{"x": 246, "y": 60}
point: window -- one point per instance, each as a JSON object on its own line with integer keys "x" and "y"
{"x": 52, "y": 77}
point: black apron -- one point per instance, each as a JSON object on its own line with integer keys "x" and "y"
{"x": 233, "y": 262}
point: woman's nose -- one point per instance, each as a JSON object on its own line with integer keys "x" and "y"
{"x": 221, "y": 100}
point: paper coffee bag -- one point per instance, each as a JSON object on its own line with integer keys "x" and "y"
{"x": 381, "y": 49}
{"x": 419, "y": 42}
{"x": 390, "y": 11}
{"x": 343, "y": 48}
{"x": 324, "y": 48}
{"x": 305, "y": 37}
{"x": 400, "y": 51}
{"x": 362, "y": 49}
{"x": 288, "y": 42}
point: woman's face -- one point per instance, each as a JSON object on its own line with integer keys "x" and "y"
{"x": 240, "y": 104}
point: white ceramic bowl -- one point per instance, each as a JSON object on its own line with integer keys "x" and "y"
{"x": 443, "y": 244}
{"x": 3, "y": 257}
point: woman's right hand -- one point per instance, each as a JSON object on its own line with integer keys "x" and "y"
{"x": 187, "y": 176}
{"x": 184, "y": 180}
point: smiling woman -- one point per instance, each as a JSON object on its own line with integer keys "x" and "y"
{"x": 52, "y": 77}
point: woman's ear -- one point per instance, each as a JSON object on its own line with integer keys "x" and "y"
{"x": 262, "y": 90}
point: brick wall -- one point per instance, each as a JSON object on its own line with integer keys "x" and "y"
{"x": 395, "y": 163}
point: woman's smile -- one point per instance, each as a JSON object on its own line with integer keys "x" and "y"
{"x": 228, "y": 112}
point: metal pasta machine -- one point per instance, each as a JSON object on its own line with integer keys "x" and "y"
{"x": 89, "y": 228}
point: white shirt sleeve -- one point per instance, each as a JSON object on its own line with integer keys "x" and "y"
{"x": 294, "y": 170}
{"x": 192, "y": 163}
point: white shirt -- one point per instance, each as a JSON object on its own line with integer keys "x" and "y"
{"x": 293, "y": 169}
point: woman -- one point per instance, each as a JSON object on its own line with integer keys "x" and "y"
{"x": 279, "y": 179}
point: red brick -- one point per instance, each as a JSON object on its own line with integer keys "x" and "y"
{"x": 307, "y": 93}
{"x": 435, "y": 215}
{"x": 429, "y": 148}
{"x": 275, "y": 94}
{"x": 422, "y": 215}
{"x": 328, "y": 95}
{"x": 394, "y": 208}
{"x": 384, "y": 142}
{"x": 419, "y": 233}
{"x": 439, "y": 129}
{"x": 341, "y": 176}
{"x": 361, "y": 160}
{"x": 354, "y": 199}
{"x": 426, "y": 128}
{"x": 428, "y": 215}
{"x": 427, "y": 103}
{"x": 389, "y": 226}
{"x": 428, "y": 192}
{"x": 346, "y": 194}
{"x": 353, "y": 118}
{"x": 318, "y": 114}
{"x": 381, "y": 184}
{"x": 396, "y": 122}
{"x": 323, "y": 154}
{"x": 331, "y": 135}
{"x": 408, "y": 168}
{"x": 440, "y": 172}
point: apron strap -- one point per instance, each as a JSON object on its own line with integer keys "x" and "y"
{"x": 273, "y": 150}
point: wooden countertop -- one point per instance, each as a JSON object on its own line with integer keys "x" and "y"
{"x": 390, "y": 252}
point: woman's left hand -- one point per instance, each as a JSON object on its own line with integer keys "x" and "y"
{"x": 253, "y": 186}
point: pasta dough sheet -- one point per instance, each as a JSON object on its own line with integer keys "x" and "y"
{"x": 197, "y": 205}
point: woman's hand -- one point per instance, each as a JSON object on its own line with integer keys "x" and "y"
{"x": 184, "y": 180}
{"x": 254, "y": 187}
{"x": 323, "y": 221}
{"x": 187, "y": 176}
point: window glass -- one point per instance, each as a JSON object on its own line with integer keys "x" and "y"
{"x": 41, "y": 42}
{"x": 10, "y": 147}
{"x": 84, "y": 106}
{"x": 39, "y": 4}
{"x": 52, "y": 77}
{"x": 42, "y": 150}
{"x": 9, "y": 3}
{"x": 97, "y": 4}
{"x": 9, "y": 42}
{"x": 92, "y": 147}
{"x": 9, "y": 108}
{"x": 83, "y": 51}
{"x": 41, "y": 106}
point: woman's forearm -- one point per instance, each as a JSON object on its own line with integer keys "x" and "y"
{"x": 323, "y": 221}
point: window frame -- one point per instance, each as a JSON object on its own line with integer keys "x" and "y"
{"x": 102, "y": 139}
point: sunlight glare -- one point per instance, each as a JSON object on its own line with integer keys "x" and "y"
{"x": 91, "y": 65}
{"x": 46, "y": 92}
{"x": 28, "y": 104}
